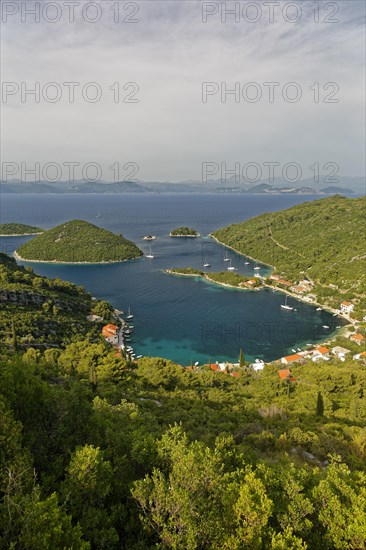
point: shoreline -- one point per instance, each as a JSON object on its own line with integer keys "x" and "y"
{"x": 17, "y": 257}
{"x": 285, "y": 291}
{"x": 185, "y": 236}
{"x": 23, "y": 234}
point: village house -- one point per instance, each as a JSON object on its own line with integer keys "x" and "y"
{"x": 109, "y": 333}
{"x": 94, "y": 318}
{"x": 299, "y": 289}
{"x": 347, "y": 307}
{"x": 358, "y": 338}
{"x": 258, "y": 365}
{"x": 340, "y": 352}
{"x": 321, "y": 352}
{"x": 360, "y": 356}
{"x": 285, "y": 374}
{"x": 296, "y": 358}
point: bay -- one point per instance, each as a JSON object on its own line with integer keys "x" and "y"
{"x": 179, "y": 318}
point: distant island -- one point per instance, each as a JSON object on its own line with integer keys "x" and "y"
{"x": 184, "y": 232}
{"x": 78, "y": 241}
{"x": 277, "y": 185}
{"x": 316, "y": 248}
{"x": 18, "y": 230}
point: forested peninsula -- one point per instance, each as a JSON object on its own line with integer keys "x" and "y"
{"x": 320, "y": 242}
{"x": 18, "y": 230}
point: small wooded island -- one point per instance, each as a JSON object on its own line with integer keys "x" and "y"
{"x": 18, "y": 230}
{"x": 184, "y": 232}
{"x": 78, "y": 241}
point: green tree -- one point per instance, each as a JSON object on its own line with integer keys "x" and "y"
{"x": 320, "y": 405}
{"x": 241, "y": 359}
{"x": 14, "y": 337}
{"x": 340, "y": 499}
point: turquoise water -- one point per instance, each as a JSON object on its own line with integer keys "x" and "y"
{"x": 180, "y": 318}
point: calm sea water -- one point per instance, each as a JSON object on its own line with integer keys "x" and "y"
{"x": 175, "y": 317}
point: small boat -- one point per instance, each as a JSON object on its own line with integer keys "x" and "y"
{"x": 293, "y": 350}
{"x": 285, "y": 306}
{"x": 298, "y": 349}
{"x": 246, "y": 263}
{"x": 257, "y": 267}
{"x": 206, "y": 264}
{"x": 139, "y": 357}
{"x": 150, "y": 238}
{"x": 325, "y": 326}
{"x": 129, "y": 316}
{"x": 99, "y": 215}
{"x": 335, "y": 314}
{"x": 318, "y": 309}
{"x": 150, "y": 255}
{"x": 231, "y": 267}
{"x": 226, "y": 259}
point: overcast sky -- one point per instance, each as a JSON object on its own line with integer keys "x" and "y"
{"x": 169, "y": 53}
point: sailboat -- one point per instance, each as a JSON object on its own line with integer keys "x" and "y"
{"x": 206, "y": 264}
{"x": 226, "y": 259}
{"x": 231, "y": 267}
{"x": 285, "y": 306}
{"x": 257, "y": 267}
{"x": 150, "y": 255}
{"x": 129, "y": 316}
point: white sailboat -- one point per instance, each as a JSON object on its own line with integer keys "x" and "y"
{"x": 257, "y": 267}
{"x": 129, "y": 316}
{"x": 206, "y": 263}
{"x": 150, "y": 255}
{"x": 285, "y": 306}
{"x": 231, "y": 267}
{"x": 226, "y": 259}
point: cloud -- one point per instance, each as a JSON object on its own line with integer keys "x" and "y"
{"x": 169, "y": 53}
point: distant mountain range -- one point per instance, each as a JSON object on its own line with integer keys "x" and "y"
{"x": 348, "y": 185}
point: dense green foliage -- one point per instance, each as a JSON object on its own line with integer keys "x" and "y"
{"x": 79, "y": 241}
{"x": 184, "y": 232}
{"x": 97, "y": 452}
{"x": 18, "y": 229}
{"x": 322, "y": 240}
{"x": 246, "y": 467}
{"x": 185, "y": 271}
{"x": 41, "y": 312}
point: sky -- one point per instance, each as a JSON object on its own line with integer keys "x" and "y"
{"x": 163, "y": 70}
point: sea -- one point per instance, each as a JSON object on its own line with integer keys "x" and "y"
{"x": 187, "y": 320}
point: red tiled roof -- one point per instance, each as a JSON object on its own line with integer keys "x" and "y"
{"x": 294, "y": 357}
{"x": 322, "y": 350}
{"x": 357, "y": 337}
{"x": 213, "y": 366}
{"x": 284, "y": 373}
